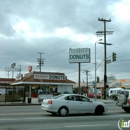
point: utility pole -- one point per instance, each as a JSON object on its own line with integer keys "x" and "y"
{"x": 40, "y": 61}
{"x": 20, "y": 70}
{"x": 86, "y": 71}
{"x": 8, "y": 73}
{"x": 105, "y": 54}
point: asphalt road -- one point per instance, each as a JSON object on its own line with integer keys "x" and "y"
{"x": 33, "y": 118}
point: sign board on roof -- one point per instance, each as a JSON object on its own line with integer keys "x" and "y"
{"x": 50, "y": 76}
{"x": 80, "y": 55}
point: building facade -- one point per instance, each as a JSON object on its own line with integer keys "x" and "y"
{"x": 48, "y": 82}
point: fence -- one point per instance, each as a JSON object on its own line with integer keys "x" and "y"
{"x": 12, "y": 95}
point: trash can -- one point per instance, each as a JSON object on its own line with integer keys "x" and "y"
{"x": 29, "y": 100}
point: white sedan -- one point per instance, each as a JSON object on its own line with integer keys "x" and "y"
{"x": 72, "y": 104}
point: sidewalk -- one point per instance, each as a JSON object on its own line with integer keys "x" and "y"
{"x": 34, "y": 101}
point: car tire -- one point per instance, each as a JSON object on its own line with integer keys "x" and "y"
{"x": 114, "y": 97}
{"x": 63, "y": 111}
{"x": 99, "y": 110}
{"x": 111, "y": 96}
{"x": 122, "y": 99}
{"x": 127, "y": 109}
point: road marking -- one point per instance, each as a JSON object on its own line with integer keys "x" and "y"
{"x": 88, "y": 125}
{"x": 8, "y": 119}
{"x": 64, "y": 118}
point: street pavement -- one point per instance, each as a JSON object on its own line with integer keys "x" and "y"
{"x": 34, "y": 101}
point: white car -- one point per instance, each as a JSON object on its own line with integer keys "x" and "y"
{"x": 72, "y": 104}
{"x": 1, "y": 93}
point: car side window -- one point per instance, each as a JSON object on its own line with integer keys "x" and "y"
{"x": 111, "y": 91}
{"x": 84, "y": 99}
{"x": 71, "y": 98}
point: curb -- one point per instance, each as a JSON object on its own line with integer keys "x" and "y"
{"x": 19, "y": 104}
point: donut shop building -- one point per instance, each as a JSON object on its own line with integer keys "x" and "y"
{"x": 48, "y": 82}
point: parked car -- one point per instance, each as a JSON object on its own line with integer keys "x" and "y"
{"x": 115, "y": 93}
{"x": 72, "y": 104}
{"x": 123, "y": 100}
{"x": 92, "y": 95}
{"x": 112, "y": 91}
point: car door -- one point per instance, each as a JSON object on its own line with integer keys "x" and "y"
{"x": 72, "y": 104}
{"x": 86, "y": 105}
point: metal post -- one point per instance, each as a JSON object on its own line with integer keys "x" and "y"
{"x": 95, "y": 87}
{"x": 79, "y": 80}
{"x": 95, "y": 76}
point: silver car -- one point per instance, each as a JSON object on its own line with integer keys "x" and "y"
{"x": 72, "y": 104}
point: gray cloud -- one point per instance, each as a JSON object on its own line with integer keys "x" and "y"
{"x": 54, "y": 26}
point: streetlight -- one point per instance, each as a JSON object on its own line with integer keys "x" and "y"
{"x": 95, "y": 71}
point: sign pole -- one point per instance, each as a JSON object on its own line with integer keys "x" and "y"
{"x": 79, "y": 80}
{"x": 79, "y": 55}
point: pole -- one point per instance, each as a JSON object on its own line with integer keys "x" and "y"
{"x": 40, "y": 61}
{"x": 95, "y": 76}
{"x": 12, "y": 73}
{"x": 105, "y": 55}
{"x": 20, "y": 70}
{"x": 79, "y": 80}
{"x": 95, "y": 87}
{"x": 87, "y": 80}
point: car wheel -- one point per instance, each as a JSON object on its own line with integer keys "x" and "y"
{"x": 126, "y": 109}
{"x": 99, "y": 110}
{"x": 63, "y": 111}
{"x": 114, "y": 97}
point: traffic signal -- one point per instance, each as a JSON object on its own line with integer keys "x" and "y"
{"x": 113, "y": 56}
{"x": 98, "y": 79}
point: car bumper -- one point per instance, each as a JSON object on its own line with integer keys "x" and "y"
{"x": 122, "y": 105}
{"x": 48, "y": 108}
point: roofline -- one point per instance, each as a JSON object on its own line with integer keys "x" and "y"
{"x": 27, "y": 83}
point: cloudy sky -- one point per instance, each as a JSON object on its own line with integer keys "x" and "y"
{"x": 53, "y": 26}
